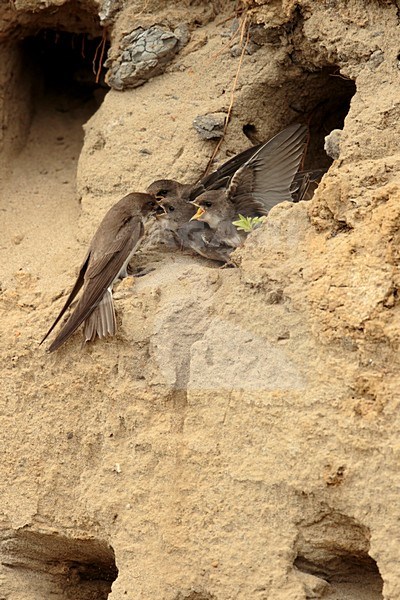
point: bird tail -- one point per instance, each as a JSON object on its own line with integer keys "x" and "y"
{"x": 102, "y": 321}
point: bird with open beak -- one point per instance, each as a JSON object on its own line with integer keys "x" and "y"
{"x": 186, "y": 234}
{"x": 173, "y": 231}
{"x": 115, "y": 241}
{"x": 262, "y": 181}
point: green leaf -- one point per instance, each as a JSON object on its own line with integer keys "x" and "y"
{"x": 248, "y": 224}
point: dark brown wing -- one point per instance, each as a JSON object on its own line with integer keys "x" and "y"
{"x": 75, "y": 290}
{"x": 221, "y": 176}
{"x": 103, "y": 269}
{"x": 265, "y": 179}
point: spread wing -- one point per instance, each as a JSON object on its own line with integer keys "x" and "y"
{"x": 266, "y": 178}
{"x": 220, "y": 178}
{"x": 104, "y": 267}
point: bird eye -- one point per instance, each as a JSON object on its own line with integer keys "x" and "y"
{"x": 171, "y": 208}
{"x": 207, "y": 204}
{"x": 162, "y": 193}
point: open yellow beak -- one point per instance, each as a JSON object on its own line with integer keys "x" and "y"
{"x": 200, "y": 212}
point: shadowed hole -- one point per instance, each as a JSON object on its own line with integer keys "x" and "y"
{"x": 47, "y": 566}
{"x": 67, "y": 67}
{"x": 335, "y": 550}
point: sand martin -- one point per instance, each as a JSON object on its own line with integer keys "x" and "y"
{"x": 264, "y": 179}
{"x": 112, "y": 246}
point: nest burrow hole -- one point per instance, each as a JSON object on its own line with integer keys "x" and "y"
{"x": 319, "y": 98}
{"x": 41, "y": 565}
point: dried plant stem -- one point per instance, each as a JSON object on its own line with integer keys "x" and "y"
{"x": 102, "y": 44}
{"x": 244, "y": 34}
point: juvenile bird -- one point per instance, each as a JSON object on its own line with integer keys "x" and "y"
{"x": 111, "y": 248}
{"x": 187, "y": 234}
{"x": 263, "y": 181}
{"x": 174, "y": 231}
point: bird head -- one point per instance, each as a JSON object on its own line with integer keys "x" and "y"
{"x": 162, "y": 188}
{"x": 147, "y": 204}
{"x": 212, "y": 207}
{"x": 175, "y": 210}
{"x": 168, "y": 189}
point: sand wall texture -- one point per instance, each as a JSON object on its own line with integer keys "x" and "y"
{"x": 238, "y": 438}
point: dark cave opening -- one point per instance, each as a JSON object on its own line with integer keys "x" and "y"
{"x": 317, "y": 97}
{"x": 322, "y": 102}
{"x": 335, "y": 549}
{"x": 353, "y": 575}
{"x": 53, "y": 565}
{"x": 52, "y": 62}
{"x": 66, "y": 67}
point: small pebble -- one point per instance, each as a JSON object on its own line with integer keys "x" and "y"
{"x": 17, "y": 239}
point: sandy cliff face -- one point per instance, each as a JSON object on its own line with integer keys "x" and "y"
{"x": 239, "y": 437}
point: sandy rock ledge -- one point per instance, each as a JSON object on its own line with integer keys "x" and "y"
{"x": 238, "y": 439}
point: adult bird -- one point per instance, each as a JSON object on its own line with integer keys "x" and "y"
{"x": 115, "y": 241}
